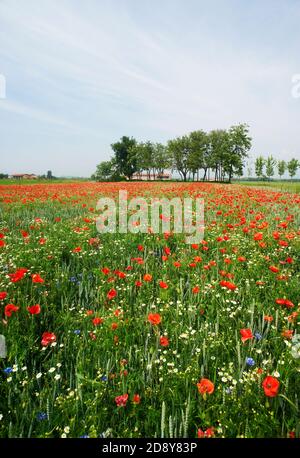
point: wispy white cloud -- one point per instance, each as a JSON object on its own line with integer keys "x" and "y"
{"x": 83, "y": 74}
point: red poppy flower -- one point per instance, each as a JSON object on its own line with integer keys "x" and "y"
{"x": 274, "y": 269}
{"x": 268, "y": 318}
{"x": 36, "y": 278}
{"x": 18, "y": 275}
{"x": 195, "y": 290}
{"x": 121, "y": 401}
{"x": 3, "y": 295}
{"x": 136, "y": 399}
{"x": 163, "y": 285}
{"x": 287, "y": 333}
{"x": 205, "y": 386}
{"x": 293, "y": 317}
{"x": 285, "y": 302}
{"x": 9, "y": 308}
{"x": 246, "y": 334}
{"x": 34, "y": 309}
{"x": 164, "y": 341}
{"x": 258, "y": 236}
{"x": 270, "y": 386}
{"x": 167, "y": 251}
{"x": 228, "y": 285}
{"x": 210, "y": 432}
{"x": 138, "y": 283}
{"x": 111, "y": 294}
{"x": 147, "y": 277}
{"x": 77, "y": 249}
{"x": 48, "y": 338}
{"x": 96, "y": 321}
{"x": 154, "y": 318}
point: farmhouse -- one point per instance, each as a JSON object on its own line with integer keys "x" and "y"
{"x": 142, "y": 176}
{"x": 24, "y": 176}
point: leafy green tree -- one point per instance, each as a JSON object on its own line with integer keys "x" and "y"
{"x": 104, "y": 171}
{"x": 281, "y": 165}
{"x": 219, "y": 152}
{"x": 180, "y": 151}
{"x": 198, "y": 144}
{"x": 259, "y": 166}
{"x": 142, "y": 154}
{"x": 239, "y": 143}
{"x": 270, "y": 166}
{"x": 292, "y": 167}
{"x": 125, "y": 156}
{"x": 161, "y": 158}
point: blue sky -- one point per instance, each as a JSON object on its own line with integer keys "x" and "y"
{"x": 79, "y": 75}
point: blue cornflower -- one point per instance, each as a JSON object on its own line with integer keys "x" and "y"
{"x": 73, "y": 279}
{"x": 42, "y": 416}
{"x": 258, "y": 336}
{"x": 8, "y": 370}
{"x": 77, "y": 331}
{"x": 84, "y": 436}
{"x": 104, "y": 378}
{"x": 250, "y": 362}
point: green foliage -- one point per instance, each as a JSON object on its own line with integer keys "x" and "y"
{"x": 292, "y": 167}
{"x": 180, "y": 150}
{"x": 281, "y": 165}
{"x": 270, "y": 166}
{"x": 105, "y": 171}
{"x": 259, "y": 166}
{"x": 220, "y": 150}
{"x": 125, "y": 160}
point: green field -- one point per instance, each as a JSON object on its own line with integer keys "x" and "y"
{"x": 144, "y": 335}
{"x": 285, "y": 186}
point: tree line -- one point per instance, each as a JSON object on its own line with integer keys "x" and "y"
{"x": 216, "y": 155}
{"x": 265, "y": 167}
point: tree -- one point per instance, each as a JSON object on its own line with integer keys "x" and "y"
{"x": 281, "y": 165}
{"x": 142, "y": 157}
{"x": 180, "y": 150}
{"x": 259, "y": 166}
{"x": 220, "y": 152}
{"x": 104, "y": 171}
{"x": 239, "y": 143}
{"x": 270, "y": 164}
{"x": 292, "y": 167}
{"x": 49, "y": 175}
{"x": 199, "y": 145}
{"x": 161, "y": 158}
{"x": 126, "y": 162}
